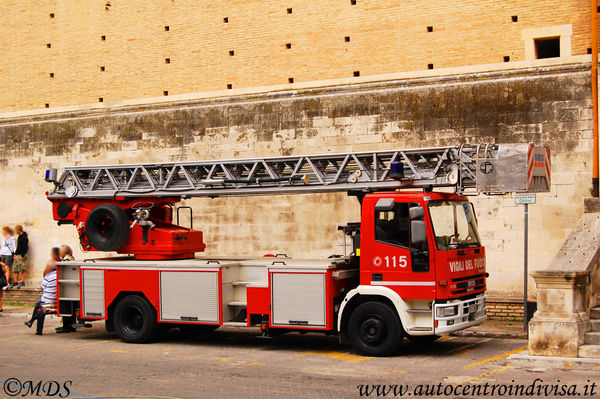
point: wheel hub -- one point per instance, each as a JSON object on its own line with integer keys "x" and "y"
{"x": 373, "y": 330}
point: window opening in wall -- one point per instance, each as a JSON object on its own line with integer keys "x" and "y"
{"x": 347, "y": 39}
{"x": 290, "y": 80}
{"x": 51, "y": 74}
{"x": 48, "y": 45}
{"x": 547, "y": 47}
{"x": 101, "y": 100}
{"x": 167, "y": 60}
{"x": 289, "y": 10}
{"x": 288, "y": 45}
{"x": 506, "y": 58}
{"x": 356, "y": 73}
{"x": 229, "y": 86}
{"x": 165, "y": 92}
{"x": 231, "y": 53}
{"x": 429, "y": 66}
{"x": 225, "y": 20}
{"x": 47, "y": 105}
{"x": 103, "y": 37}
{"x": 102, "y": 69}
{"x": 353, "y": 2}
{"x": 589, "y": 50}
{"x": 430, "y": 29}
{"x": 515, "y": 18}
{"x": 167, "y": 28}
{"x": 51, "y": 15}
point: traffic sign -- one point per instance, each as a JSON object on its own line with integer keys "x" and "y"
{"x": 525, "y": 198}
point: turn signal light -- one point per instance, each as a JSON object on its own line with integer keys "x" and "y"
{"x": 443, "y": 283}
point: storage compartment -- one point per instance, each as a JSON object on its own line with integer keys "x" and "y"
{"x": 93, "y": 293}
{"x": 189, "y": 297}
{"x": 298, "y": 299}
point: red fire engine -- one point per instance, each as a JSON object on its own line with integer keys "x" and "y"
{"x": 416, "y": 267}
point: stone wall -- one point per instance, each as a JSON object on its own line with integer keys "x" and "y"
{"x": 550, "y": 105}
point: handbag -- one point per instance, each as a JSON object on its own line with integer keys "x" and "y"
{"x": 3, "y": 282}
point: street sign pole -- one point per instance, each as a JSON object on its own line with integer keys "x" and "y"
{"x": 525, "y": 266}
{"x": 525, "y": 199}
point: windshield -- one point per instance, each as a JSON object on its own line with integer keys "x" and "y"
{"x": 454, "y": 224}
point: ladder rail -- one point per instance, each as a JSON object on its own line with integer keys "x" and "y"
{"x": 367, "y": 170}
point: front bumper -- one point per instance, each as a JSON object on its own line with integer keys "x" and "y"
{"x": 470, "y": 312}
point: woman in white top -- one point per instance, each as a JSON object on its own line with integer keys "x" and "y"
{"x": 8, "y": 245}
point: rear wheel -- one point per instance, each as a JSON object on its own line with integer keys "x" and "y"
{"x": 374, "y": 329}
{"x": 135, "y": 320}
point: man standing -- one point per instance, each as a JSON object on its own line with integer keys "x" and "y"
{"x": 20, "y": 256}
{"x": 48, "y": 295}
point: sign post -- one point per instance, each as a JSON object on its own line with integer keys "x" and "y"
{"x": 525, "y": 199}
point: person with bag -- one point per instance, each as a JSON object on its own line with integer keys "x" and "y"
{"x": 7, "y": 250}
{"x": 3, "y": 282}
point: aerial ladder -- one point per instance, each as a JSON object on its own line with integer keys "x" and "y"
{"x": 128, "y": 208}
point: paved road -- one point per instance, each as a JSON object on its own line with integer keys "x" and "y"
{"x": 235, "y": 363}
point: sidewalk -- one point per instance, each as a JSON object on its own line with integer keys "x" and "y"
{"x": 16, "y": 310}
{"x": 495, "y": 329}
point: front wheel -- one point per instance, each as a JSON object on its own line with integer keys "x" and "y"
{"x": 374, "y": 329}
{"x": 135, "y": 320}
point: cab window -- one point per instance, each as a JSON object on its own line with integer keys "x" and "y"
{"x": 392, "y": 227}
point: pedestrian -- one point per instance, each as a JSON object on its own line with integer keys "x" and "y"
{"x": 7, "y": 250}
{"x": 4, "y": 272}
{"x": 48, "y": 294}
{"x": 66, "y": 254}
{"x": 20, "y": 257}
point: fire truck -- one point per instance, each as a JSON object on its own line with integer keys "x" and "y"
{"x": 415, "y": 265}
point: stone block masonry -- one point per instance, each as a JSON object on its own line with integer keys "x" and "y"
{"x": 549, "y": 105}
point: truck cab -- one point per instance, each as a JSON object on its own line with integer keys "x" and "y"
{"x": 421, "y": 256}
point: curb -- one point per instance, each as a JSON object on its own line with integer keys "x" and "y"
{"x": 490, "y": 334}
{"x": 525, "y": 361}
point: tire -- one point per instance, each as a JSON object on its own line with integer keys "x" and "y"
{"x": 107, "y": 227}
{"x": 135, "y": 320}
{"x": 374, "y": 329}
{"x": 190, "y": 330}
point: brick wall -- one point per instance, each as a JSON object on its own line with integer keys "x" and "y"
{"x": 504, "y": 309}
{"x": 118, "y": 50}
{"x": 24, "y": 296}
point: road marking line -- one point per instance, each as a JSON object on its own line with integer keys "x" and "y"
{"x": 399, "y": 371}
{"x": 256, "y": 364}
{"x": 345, "y": 357}
{"x": 491, "y": 359}
{"x": 485, "y": 375}
{"x": 118, "y": 350}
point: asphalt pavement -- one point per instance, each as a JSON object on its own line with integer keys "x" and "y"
{"x": 235, "y": 363}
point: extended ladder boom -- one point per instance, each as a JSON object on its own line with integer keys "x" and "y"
{"x": 460, "y": 167}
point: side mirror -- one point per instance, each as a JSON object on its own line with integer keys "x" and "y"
{"x": 416, "y": 213}
{"x": 418, "y": 232}
{"x": 385, "y": 204}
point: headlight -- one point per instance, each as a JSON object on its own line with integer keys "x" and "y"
{"x": 447, "y": 311}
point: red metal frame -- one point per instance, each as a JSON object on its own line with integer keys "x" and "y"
{"x": 166, "y": 240}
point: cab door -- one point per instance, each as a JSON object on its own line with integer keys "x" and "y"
{"x": 390, "y": 258}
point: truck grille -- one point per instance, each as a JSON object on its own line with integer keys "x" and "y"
{"x": 467, "y": 285}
